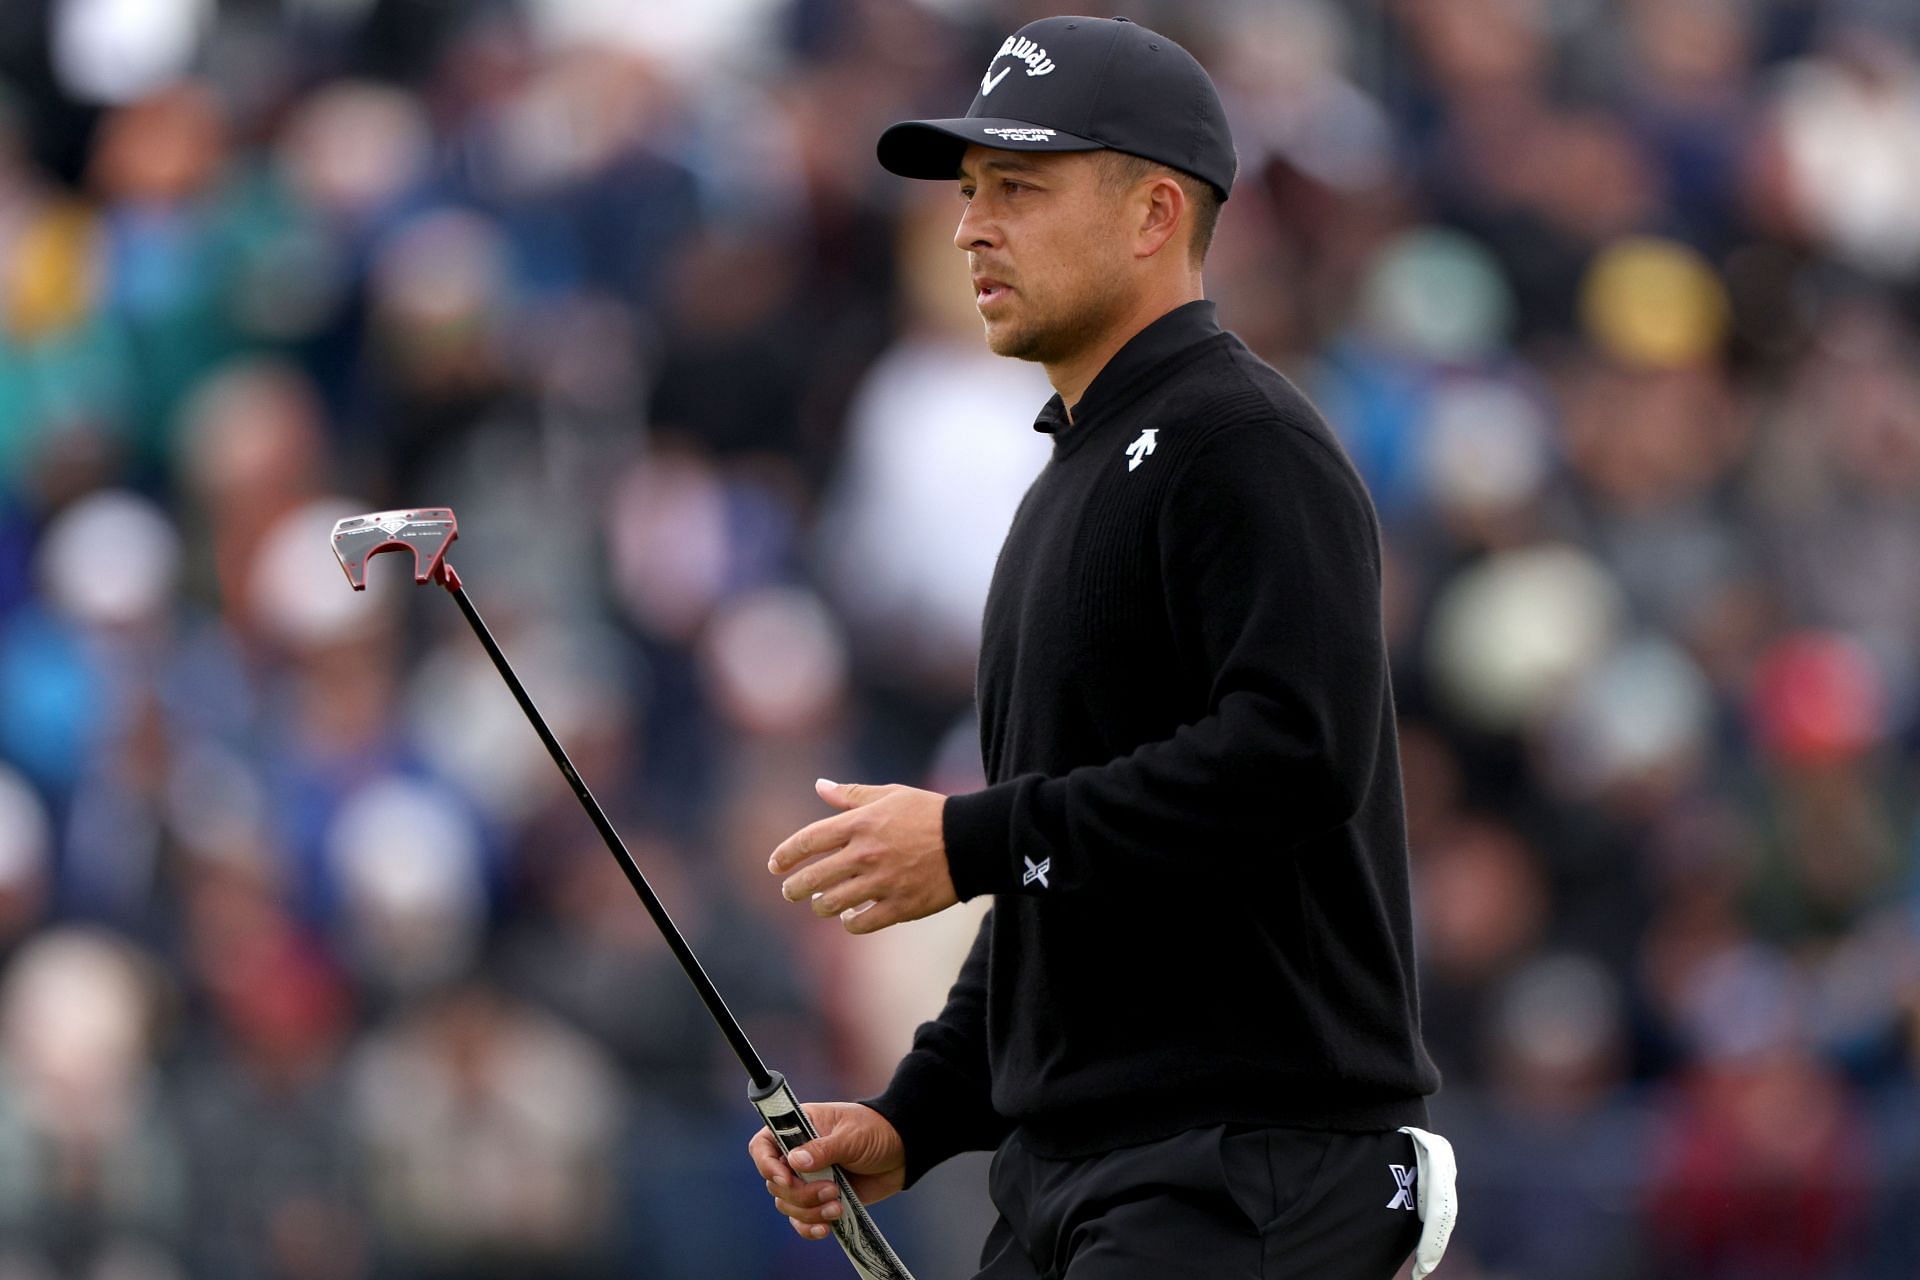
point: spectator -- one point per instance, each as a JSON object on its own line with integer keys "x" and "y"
{"x": 1614, "y": 305}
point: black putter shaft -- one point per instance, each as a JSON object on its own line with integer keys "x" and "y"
{"x": 430, "y": 530}
{"x": 709, "y": 994}
{"x": 860, "y": 1238}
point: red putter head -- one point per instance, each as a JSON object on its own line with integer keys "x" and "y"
{"x": 358, "y": 539}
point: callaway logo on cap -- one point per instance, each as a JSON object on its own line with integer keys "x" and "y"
{"x": 1080, "y": 84}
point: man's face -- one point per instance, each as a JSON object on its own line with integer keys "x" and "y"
{"x": 1050, "y": 260}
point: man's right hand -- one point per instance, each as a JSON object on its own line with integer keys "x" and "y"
{"x": 859, "y": 1139}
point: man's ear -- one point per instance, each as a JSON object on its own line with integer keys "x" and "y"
{"x": 1161, "y": 203}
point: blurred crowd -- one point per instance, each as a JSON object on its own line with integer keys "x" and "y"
{"x": 310, "y": 967}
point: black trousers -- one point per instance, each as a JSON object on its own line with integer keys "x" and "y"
{"x": 1222, "y": 1203}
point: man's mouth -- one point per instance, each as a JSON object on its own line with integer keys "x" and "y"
{"x": 987, "y": 290}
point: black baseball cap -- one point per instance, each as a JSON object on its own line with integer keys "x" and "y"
{"x": 1080, "y": 84}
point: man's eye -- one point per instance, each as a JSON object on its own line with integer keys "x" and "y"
{"x": 1011, "y": 187}
{"x": 966, "y": 193}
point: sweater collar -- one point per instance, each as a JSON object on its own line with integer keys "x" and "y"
{"x": 1172, "y": 333}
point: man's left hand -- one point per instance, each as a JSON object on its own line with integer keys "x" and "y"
{"x": 880, "y": 861}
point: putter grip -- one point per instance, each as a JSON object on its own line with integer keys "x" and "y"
{"x": 865, "y": 1247}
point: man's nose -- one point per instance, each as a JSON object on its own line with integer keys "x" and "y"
{"x": 976, "y": 230}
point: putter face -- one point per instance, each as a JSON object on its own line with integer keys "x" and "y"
{"x": 357, "y": 539}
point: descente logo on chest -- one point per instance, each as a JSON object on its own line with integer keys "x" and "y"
{"x": 1138, "y": 451}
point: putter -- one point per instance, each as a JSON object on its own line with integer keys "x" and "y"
{"x": 427, "y": 532}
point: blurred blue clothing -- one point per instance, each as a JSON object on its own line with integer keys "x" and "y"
{"x": 1548, "y": 1196}
{"x": 55, "y": 696}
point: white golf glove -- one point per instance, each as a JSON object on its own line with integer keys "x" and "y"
{"x": 1434, "y": 1198}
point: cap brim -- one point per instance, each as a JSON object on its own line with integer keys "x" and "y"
{"x": 933, "y": 148}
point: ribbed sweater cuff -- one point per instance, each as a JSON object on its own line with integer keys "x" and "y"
{"x": 975, "y": 828}
{"x": 922, "y": 1103}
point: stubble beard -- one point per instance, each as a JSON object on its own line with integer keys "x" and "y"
{"x": 1051, "y": 339}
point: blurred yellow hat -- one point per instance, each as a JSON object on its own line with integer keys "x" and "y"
{"x": 1654, "y": 303}
{"x": 50, "y": 282}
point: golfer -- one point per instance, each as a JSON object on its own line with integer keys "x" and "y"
{"x": 1188, "y": 1028}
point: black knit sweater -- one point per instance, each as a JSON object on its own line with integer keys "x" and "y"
{"x": 1194, "y": 828}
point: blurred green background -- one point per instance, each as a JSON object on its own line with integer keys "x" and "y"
{"x": 311, "y": 969}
